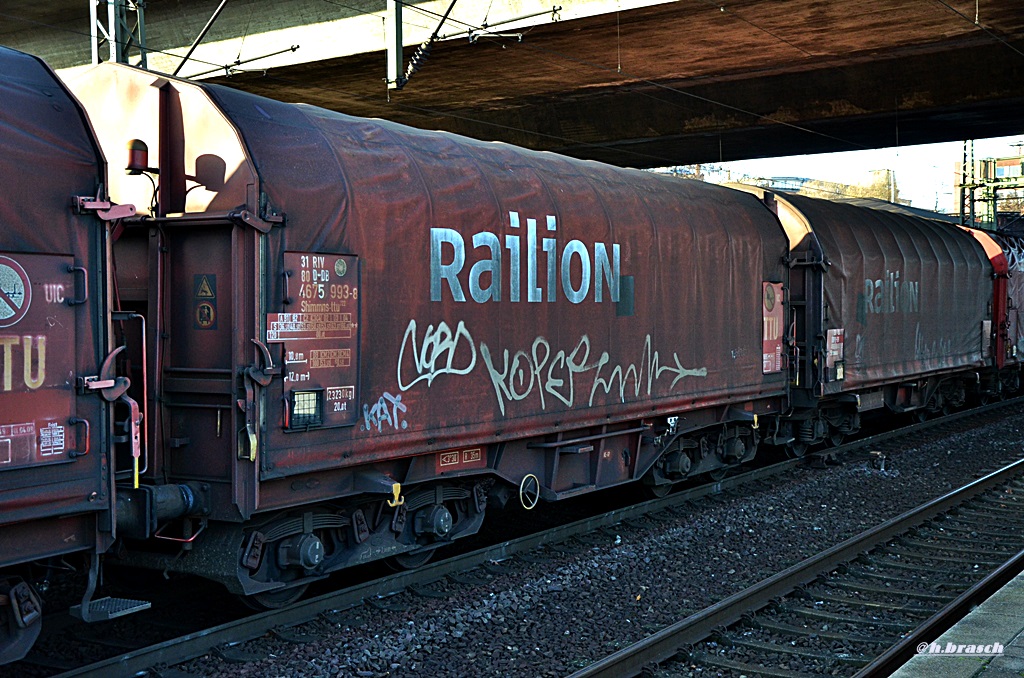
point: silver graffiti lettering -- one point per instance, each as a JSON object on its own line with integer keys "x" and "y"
{"x": 518, "y": 375}
{"x": 573, "y": 364}
{"x": 387, "y": 410}
{"x": 442, "y": 351}
{"x": 650, "y": 364}
{"x": 939, "y": 348}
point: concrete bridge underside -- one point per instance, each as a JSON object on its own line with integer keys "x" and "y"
{"x": 670, "y": 83}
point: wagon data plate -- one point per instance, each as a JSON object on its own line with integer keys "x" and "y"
{"x": 321, "y": 339}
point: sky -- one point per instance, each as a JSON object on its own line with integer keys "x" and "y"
{"x": 924, "y": 174}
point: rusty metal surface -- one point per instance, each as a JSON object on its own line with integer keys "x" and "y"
{"x": 905, "y": 291}
{"x": 52, "y": 297}
{"x": 584, "y": 295}
{"x": 477, "y": 324}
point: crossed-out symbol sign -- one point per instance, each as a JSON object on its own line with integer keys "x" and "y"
{"x": 15, "y": 292}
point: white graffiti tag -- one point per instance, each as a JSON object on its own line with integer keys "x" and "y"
{"x": 649, "y": 365}
{"x": 521, "y": 374}
{"x": 387, "y": 410}
{"x": 437, "y": 354}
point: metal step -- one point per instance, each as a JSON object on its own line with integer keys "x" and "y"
{"x": 107, "y": 608}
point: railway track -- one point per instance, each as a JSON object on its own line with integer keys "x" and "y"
{"x": 471, "y": 568}
{"x": 342, "y": 605}
{"x": 859, "y": 608}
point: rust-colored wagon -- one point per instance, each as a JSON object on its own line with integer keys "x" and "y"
{"x": 358, "y": 334}
{"x": 56, "y": 374}
{"x": 324, "y": 340}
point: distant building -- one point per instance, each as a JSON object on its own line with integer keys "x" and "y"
{"x": 990, "y": 192}
{"x": 882, "y": 185}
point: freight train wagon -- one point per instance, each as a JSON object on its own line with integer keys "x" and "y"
{"x": 359, "y": 335}
{"x": 56, "y": 373}
{"x": 889, "y": 312}
{"x": 325, "y": 340}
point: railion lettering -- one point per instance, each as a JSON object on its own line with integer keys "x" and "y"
{"x": 891, "y": 295}
{"x": 575, "y": 271}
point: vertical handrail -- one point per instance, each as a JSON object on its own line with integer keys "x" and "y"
{"x": 85, "y": 284}
{"x": 76, "y": 421}
{"x": 123, "y": 315}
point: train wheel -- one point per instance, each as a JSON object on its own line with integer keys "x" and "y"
{"x": 274, "y": 600}
{"x": 657, "y": 491}
{"x": 21, "y": 617}
{"x": 835, "y": 439}
{"x": 409, "y": 561}
{"x": 796, "y": 449}
{"x": 651, "y": 489}
{"x": 718, "y": 473}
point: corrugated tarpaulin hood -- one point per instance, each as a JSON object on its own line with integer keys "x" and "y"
{"x": 905, "y": 289}
{"x": 48, "y": 156}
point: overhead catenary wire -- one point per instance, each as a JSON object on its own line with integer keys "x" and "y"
{"x": 245, "y": 33}
{"x": 357, "y": 12}
{"x": 559, "y": 56}
{"x": 74, "y": 31}
{"x": 583, "y": 62}
{"x": 422, "y": 110}
{"x": 655, "y": 84}
{"x": 423, "y": 51}
{"x": 435, "y": 113}
{"x": 976, "y": 22}
{"x": 202, "y": 34}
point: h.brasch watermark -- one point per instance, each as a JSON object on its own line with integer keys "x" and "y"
{"x": 960, "y": 649}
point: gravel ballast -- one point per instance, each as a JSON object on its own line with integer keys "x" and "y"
{"x": 552, "y": 618}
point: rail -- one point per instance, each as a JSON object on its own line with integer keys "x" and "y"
{"x": 192, "y": 645}
{"x": 697, "y": 627}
